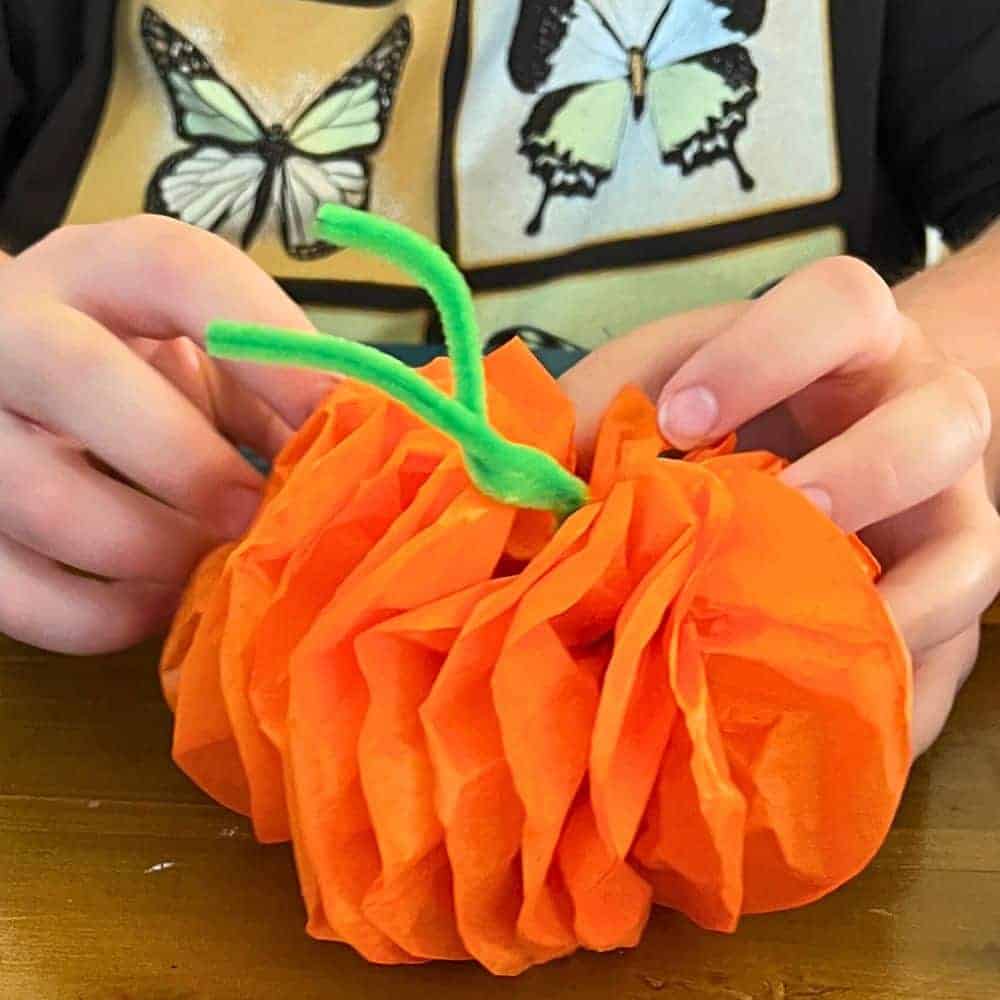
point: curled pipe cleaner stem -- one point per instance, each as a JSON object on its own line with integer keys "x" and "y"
{"x": 435, "y": 272}
{"x": 512, "y": 473}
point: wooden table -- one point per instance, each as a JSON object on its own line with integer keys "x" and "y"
{"x": 119, "y": 881}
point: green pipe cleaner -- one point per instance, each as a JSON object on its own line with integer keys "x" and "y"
{"x": 514, "y": 474}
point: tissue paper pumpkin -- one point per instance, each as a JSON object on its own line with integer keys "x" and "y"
{"x": 500, "y": 712}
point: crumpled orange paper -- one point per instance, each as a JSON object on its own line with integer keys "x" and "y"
{"x": 487, "y": 737}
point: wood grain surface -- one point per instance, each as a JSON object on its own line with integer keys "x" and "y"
{"x": 120, "y": 881}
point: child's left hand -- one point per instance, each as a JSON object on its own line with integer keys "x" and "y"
{"x": 888, "y": 437}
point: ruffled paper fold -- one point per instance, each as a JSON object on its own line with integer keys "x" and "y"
{"x": 487, "y": 737}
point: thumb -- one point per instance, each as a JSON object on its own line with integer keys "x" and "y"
{"x": 645, "y": 358}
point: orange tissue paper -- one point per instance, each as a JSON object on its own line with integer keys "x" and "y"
{"x": 502, "y": 732}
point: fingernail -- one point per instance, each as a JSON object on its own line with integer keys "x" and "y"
{"x": 239, "y": 505}
{"x": 819, "y": 498}
{"x": 690, "y": 415}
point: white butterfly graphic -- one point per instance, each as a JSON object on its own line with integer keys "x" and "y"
{"x": 603, "y": 66}
{"x": 239, "y": 174}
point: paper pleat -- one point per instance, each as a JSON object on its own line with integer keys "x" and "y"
{"x": 491, "y": 737}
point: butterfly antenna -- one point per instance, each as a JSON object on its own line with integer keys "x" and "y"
{"x": 656, "y": 25}
{"x": 606, "y": 24}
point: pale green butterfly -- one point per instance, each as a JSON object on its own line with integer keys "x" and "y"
{"x": 595, "y": 61}
{"x": 239, "y": 173}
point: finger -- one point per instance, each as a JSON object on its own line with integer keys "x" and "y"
{"x": 937, "y": 679}
{"x": 944, "y": 585}
{"x": 645, "y": 358}
{"x": 835, "y": 316}
{"x": 902, "y": 453}
{"x": 155, "y": 277}
{"x": 46, "y": 606}
{"x": 53, "y": 502}
{"x": 182, "y": 363}
{"x": 65, "y": 371}
{"x": 244, "y": 417}
{"x": 228, "y": 404}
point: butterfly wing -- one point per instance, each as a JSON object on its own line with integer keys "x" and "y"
{"x": 332, "y": 139}
{"x": 303, "y": 185}
{"x": 541, "y": 28}
{"x": 351, "y": 114}
{"x": 222, "y": 183}
{"x": 703, "y": 81}
{"x": 204, "y": 106}
{"x": 211, "y": 187}
{"x": 572, "y": 139}
{"x": 700, "y": 106}
{"x": 564, "y": 43}
{"x": 689, "y": 28}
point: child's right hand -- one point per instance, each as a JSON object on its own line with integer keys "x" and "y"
{"x": 97, "y": 377}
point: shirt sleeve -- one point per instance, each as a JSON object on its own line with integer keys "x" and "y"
{"x": 940, "y": 111}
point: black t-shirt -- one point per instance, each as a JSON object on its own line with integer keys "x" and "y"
{"x": 568, "y": 154}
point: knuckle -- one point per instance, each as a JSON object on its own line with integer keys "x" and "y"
{"x": 166, "y": 243}
{"x": 16, "y": 311}
{"x": 40, "y": 263}
{"x": 171, "y": 251}
{"x": 64, "y": 237}
{"x": 867, "y": 299}
{"x": 857, "y": 282}
{"x": 146, "y": 227}
{"x": 970, "y": 405}
{"x": 170, "y": 240}
{"x": 169, "y": 248}
{"x": 31, "y": 272}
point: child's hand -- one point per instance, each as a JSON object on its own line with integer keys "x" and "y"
{"x": 95, "y": 380}
{"x": 889, "y": 438}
